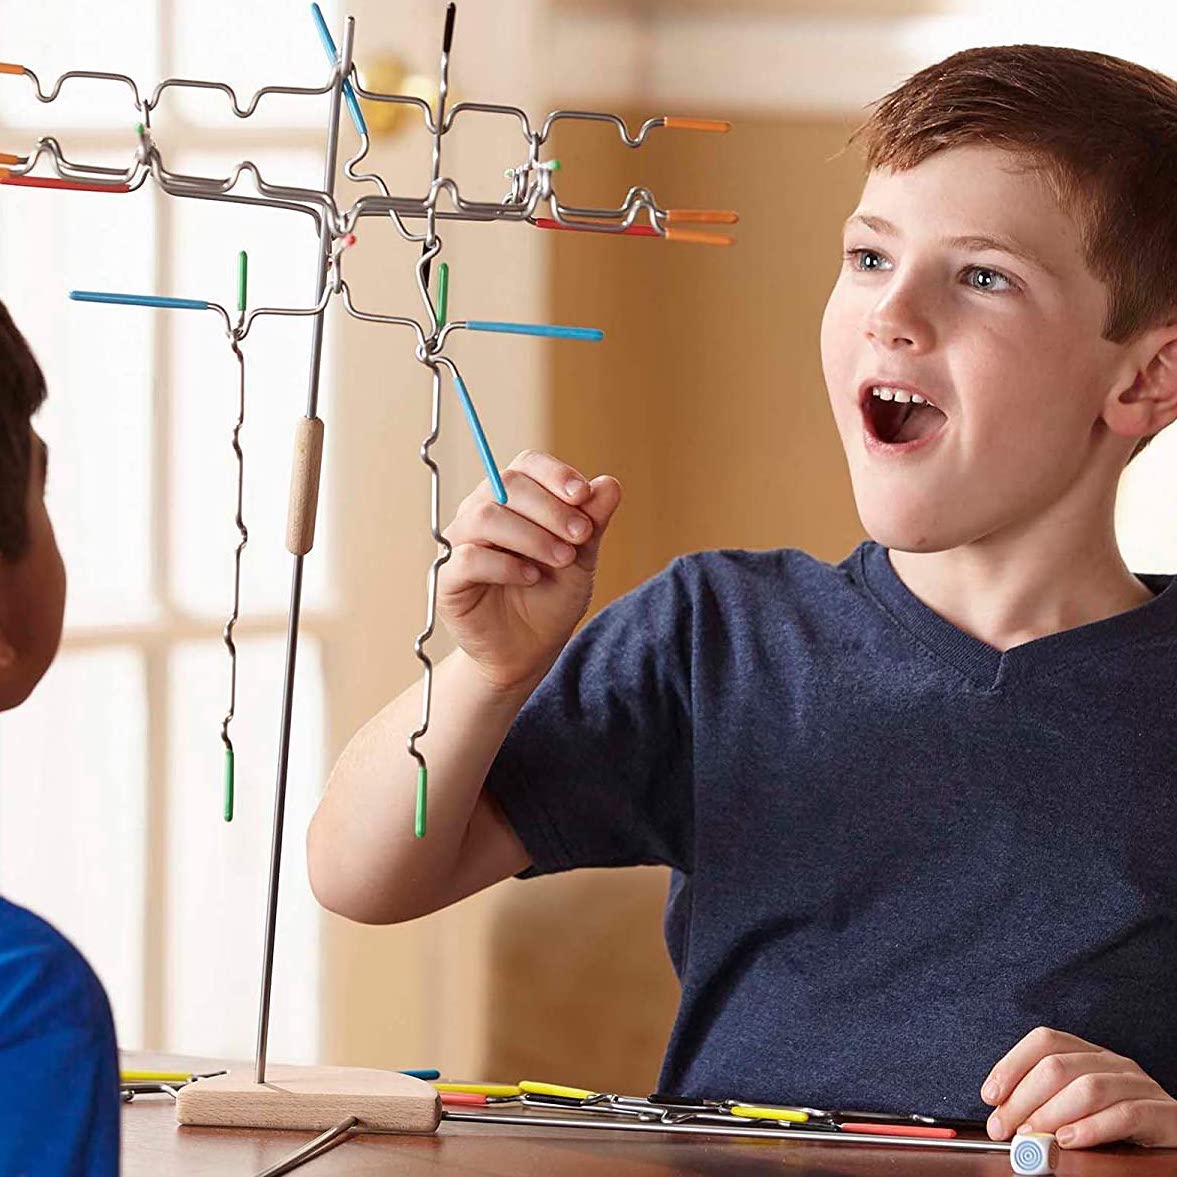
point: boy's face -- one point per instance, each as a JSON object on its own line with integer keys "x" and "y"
{"x": 32, "y": 595}
{"x": 964, "y": 283}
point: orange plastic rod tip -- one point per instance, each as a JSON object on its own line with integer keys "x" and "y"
{"x": 923, "y": 1130}
{"x": 697, "y": 238}
{"x": 6, "y": 158}
{"x": 586, "y": 227}
{"x": 6, "y": 67}
{"x": 66, "y": 185}
{"x": 674, "y": 123}
{"x": 701, "y": 216}
{"x": 463, "y": 1099}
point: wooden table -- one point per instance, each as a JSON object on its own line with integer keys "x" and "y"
{"x": 153, "y": 1144}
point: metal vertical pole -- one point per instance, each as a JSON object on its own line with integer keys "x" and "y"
{"x": 325, "y": 243}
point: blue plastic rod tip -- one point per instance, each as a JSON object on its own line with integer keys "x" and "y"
{"x": 349, "y": 97}
{"x": 140, "y": 300}
{"x": 592, "y": 334}
{"x": 488, "y": 462}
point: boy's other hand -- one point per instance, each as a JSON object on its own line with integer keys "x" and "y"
{"x": 521, "y": 574}
{"x": 1084, "y": 1094}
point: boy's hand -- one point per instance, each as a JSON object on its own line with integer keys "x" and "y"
{"x": 521, "y": 574}
{"x": 1085, "y": 1095}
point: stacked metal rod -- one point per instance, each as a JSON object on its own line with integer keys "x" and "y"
{"x": 532, "y": 198}
{"x": 543, "y": 1106}
{"x": 548, "y": 1106}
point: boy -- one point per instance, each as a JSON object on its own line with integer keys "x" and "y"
{"x": 59, "y": 1095}
{"x": 918, "y": 805}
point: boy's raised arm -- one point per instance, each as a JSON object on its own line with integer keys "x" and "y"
{"x": 519, "y": 580}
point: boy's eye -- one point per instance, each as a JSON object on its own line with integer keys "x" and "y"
{"x": 984, "y": 278}
{"x": 865, "y": 260}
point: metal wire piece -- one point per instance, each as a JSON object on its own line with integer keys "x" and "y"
{"x": 313, "y": 1148}
{"x": 532, "y": 183}
{"x": 133, "y": 1083}
{"x": 128, "y": 1091}
{"x": 244, "y": 539}
{"x": 443, "y": 551}
{"x": 330, "y": 160}
{"x": 751, "y": 1132}
{"x": 621, "y": 1119}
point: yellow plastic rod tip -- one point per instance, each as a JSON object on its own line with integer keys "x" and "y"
{"x": 155, "y": 1076}
{"x": 674, "y": 123}
{"x": 504, "y": 1090}
{"x": 701, "y": 216}
{"x": 6, "y": 67}
{"x": 696, "y": 238}
{"x": 790, "y": 1115}
{"x": 532, "y": 1088}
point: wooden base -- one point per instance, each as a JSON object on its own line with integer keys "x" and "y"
{"x": 312, "y": 1099}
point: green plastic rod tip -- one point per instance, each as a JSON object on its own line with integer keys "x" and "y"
{"x": 242, "y": 279}
{"x": 443, "y": 292}
{"x": 422, "y": 788}
{"x": 554, "y": 165}
{"x": 139, "y": 129}
{"x": 228, "y": 784}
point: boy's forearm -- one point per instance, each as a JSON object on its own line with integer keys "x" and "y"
{"x": 364, "y": 859}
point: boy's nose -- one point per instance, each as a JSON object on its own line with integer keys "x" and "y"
{"x": 896, "y": 326}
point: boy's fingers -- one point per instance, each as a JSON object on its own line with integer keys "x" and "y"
{"x": 1086, "y": 1075}
{"x": 606, "y": 497}
{"x": 1013, "y": 1067}
{"x": 549, "y": 509}
{"x": 1143, "y": 1121}
{"x": 1086, "y": 1096}
{"x": 472, "y": 564}
{"x": 564, "y": 481}
{"x": 532, "y": 516}
{"x": 493, "y": 525}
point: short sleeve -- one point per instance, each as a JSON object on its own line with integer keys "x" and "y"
{"x": 597, "y": 768}
{"x": 59, "y": 1083}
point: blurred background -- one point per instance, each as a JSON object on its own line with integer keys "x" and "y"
{"x": 706, "y": 400}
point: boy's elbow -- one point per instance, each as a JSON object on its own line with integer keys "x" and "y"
{"x": 337, "y": 897}
{"x": 342, "y": 891}
{"x": 356, "y": 909}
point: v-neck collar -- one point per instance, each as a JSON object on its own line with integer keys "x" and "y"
{"x": 985, "y": 664}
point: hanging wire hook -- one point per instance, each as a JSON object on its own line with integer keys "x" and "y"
{"x": 235, "y": 344}
{"x": 444, "y": 550}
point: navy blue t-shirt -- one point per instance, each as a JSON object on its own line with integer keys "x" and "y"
{"x": 59, "y": 1081}
{"x": 895, "y": 849}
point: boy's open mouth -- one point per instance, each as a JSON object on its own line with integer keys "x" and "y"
{"x": 897, "y": 414}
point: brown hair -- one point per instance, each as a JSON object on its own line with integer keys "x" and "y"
{"x": 1104, "y": 133}
{"x": 22, "y": 390}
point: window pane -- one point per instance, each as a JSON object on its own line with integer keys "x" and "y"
{"x": 282, "y": 249}
{"x": 262, "y": 43}
{"x": 218, "y": 871}
{"x": 50, "y": 39}
{"x": 98, "y": 365}
{"x": 72, "y": 813}
{"x": 1145, "y": 520}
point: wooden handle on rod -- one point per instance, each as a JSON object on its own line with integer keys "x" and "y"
{"x": 304, "y": 486}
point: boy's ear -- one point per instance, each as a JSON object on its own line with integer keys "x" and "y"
{"x": 10, "y": 692}
{"x": 1149, "y": 403}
